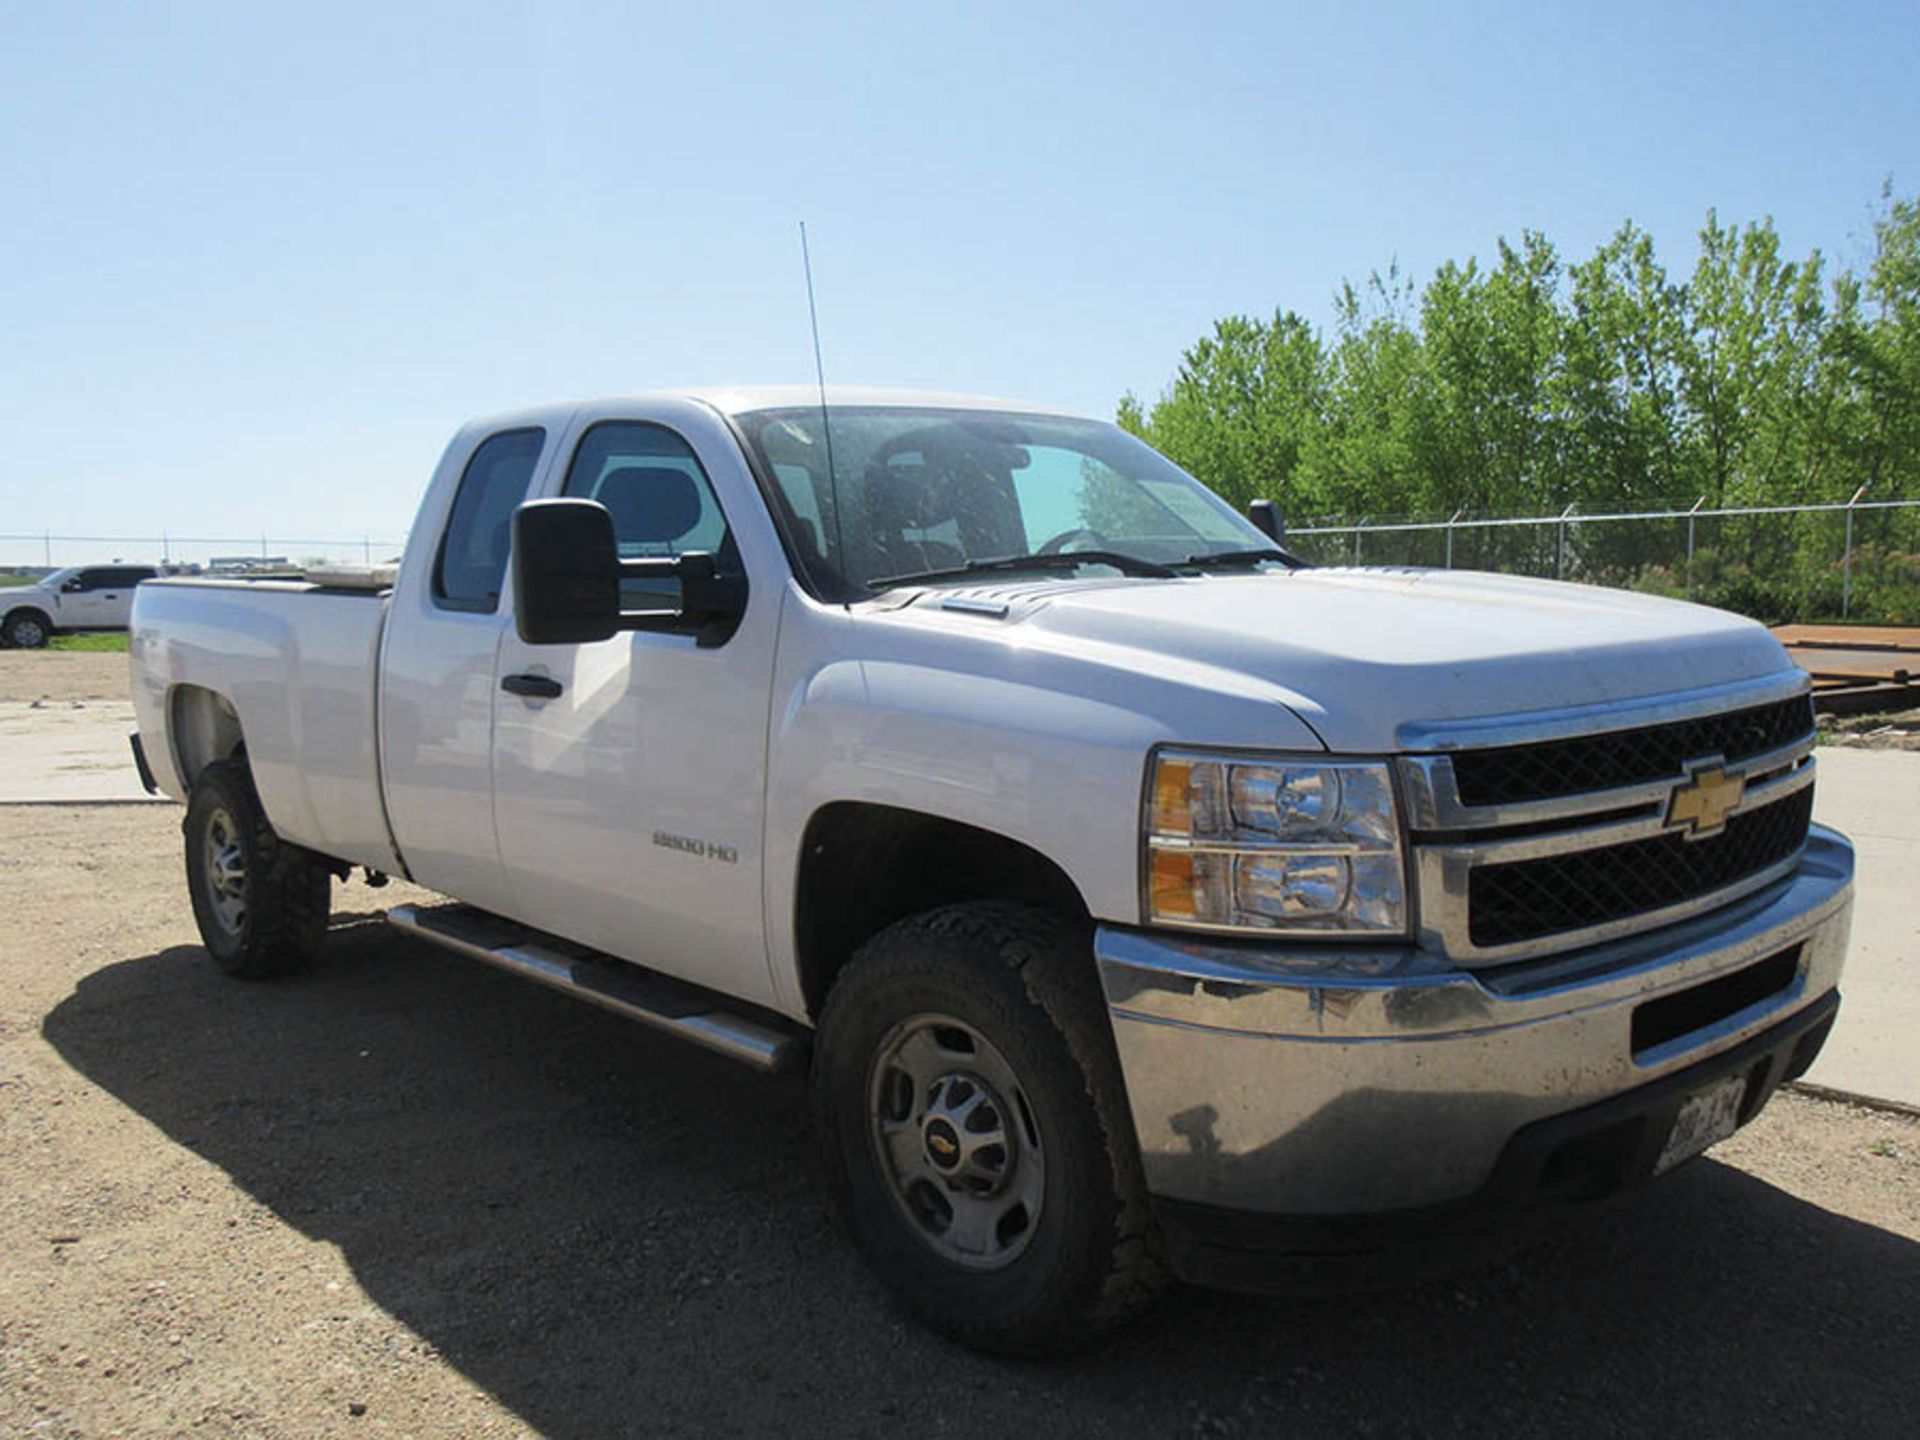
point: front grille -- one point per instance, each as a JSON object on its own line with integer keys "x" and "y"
{"x": 1517, "y": 773}
{"x": 1527, "y": 899}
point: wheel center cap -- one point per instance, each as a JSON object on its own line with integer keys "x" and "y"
{"x": 943, "y": 1144}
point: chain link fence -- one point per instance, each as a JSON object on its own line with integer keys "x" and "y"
{"x": 48, "y": 551}
{"x": 1857, "y": 560}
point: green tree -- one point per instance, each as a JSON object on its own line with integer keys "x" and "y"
{"x": 1243, "y": 405}
{"x": 1528, "y": 385}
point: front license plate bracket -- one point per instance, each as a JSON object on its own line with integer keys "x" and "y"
{"x": 1704, "y": 1119}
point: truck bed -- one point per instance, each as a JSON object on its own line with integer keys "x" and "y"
{"x": 298, "y": 663}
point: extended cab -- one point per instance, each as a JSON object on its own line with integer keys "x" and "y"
{"x": 1145, "y": 901}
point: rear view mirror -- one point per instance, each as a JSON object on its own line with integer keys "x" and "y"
{"x": 566, "y": 572}
{"x": 1266, "y": 518}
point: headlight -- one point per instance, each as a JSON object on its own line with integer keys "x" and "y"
{"x": 1263, "y": 844}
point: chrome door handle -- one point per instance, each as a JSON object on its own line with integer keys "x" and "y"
{"x": 533, "y": 687}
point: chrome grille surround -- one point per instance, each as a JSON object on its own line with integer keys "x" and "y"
{"x": 1450, "y": 839}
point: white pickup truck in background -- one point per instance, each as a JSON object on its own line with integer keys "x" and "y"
{"x": 79, "y": 598}
{"x": 1146, "y": 902}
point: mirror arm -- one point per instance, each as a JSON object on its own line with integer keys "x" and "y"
{"x": 665, "y": 567}
{"x": 696, "y": 567}
{"x": 652, "y": 619}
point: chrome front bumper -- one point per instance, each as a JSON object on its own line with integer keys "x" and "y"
{"x": 1323, "y": 1081}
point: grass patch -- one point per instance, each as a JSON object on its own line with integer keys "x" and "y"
{"x": 111, "y": 640}
{"x": 7, "y": 581}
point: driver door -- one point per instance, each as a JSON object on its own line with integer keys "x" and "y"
{"x": 83, "y": 601}
{"x": 629, "y": 799}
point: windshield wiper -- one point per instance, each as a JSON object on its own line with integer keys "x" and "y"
{"x": 1238, "y": 559}
{"x": 1063, "y": 560}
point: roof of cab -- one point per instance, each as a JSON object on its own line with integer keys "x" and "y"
{"x": 733, "y": 400}
{"x": 738, "y": 399}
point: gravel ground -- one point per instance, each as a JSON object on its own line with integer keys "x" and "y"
{"x": 405, "y": 1194}
{"x": 1896, "y": 731}
{"x": 63, "y": 675}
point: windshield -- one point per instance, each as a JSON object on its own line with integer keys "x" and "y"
{"x": 914, "y": 490}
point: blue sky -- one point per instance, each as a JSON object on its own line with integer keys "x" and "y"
{"x": 257, "y": 261}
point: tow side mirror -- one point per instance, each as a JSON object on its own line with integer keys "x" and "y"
{"x": 1266, "y": 518}
{"x": 566, "y": 572}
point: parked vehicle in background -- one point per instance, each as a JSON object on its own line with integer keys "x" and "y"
{"x": 1146, "y": 900}
{"x": 79, "y": 598}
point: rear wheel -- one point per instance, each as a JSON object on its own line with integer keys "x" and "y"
{"x": 261, "y": 904}
{"x": 26, "y": 630}
{"x": 977, "y": 1133}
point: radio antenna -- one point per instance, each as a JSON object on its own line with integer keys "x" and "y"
{"x": 820, "y": 374}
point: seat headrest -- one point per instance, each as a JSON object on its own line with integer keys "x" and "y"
{"x": 650, "y": 504}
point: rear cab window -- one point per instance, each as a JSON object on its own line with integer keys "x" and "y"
{"x": 471, "y": 565}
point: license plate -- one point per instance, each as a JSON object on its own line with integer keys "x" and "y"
{"x": 1705, "y": 1119}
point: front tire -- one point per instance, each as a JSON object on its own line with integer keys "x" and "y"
{"x": 261, "y": 904}
{"x": 977, "y": 1136}
{"x": 27, "y": 630}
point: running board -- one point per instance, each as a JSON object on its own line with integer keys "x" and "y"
{"x": 666, "y": 1004}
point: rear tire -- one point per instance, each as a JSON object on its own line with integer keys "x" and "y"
{"x": 261, "y": 904}
{"x": 976, "y": 1130}
{"x": 27, "y": 630}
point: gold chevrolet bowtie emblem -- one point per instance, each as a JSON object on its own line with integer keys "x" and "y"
{"x": 1702, "y": 804}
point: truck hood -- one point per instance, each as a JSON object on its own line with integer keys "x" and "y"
{"x": 1360, "y": 653}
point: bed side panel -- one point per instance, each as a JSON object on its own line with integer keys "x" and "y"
{"x": 297, "y": 665}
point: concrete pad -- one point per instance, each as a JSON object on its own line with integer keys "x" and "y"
{"x": 67, "y": 752}
{"x": 1873, "y": 797}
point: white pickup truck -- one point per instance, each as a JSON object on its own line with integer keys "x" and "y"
{"x": 1146, "y": 901}
{"x": 82, "y": 597}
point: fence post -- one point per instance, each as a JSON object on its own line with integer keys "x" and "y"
{"x": 1356, "y": 539}
{"x": 47, "y": 541}
{"x": 1560, "y": 548}
{"x": 1846, "y": 564}
{"x": 1690, "y": 514}
{"x": 1453, "y": 520}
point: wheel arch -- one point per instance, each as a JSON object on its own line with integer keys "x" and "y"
{"x": 6, "y": 617}
{"x": 863, "y": 866}
{"x": 202, "y": 726}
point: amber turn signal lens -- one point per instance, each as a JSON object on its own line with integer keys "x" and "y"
{"x": 1173, "y": 798}
{"x": 1173, "y": 884}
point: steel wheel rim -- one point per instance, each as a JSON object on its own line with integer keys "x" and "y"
{"x": 956, "y": 1141}
{"x": 29, "y": 633}
{"x": 226, "y": 870}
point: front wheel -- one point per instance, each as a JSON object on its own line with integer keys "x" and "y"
{"x": 261, "y": 904}
{"x": 27, "y": 630}
{"x": 976, "y": 1129}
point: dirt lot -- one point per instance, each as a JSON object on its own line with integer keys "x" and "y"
{"x": 63, "y": 675}
{"x": 407, "y": 1195}
{"x": 1897, "y": 731}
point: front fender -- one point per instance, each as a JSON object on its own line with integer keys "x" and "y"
{"x": 1042, "y": 745}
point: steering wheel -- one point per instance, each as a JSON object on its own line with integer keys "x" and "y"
{"x": 1066, "y": 537}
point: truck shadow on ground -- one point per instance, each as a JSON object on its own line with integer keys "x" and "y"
{"x": 613, "y": 1233}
